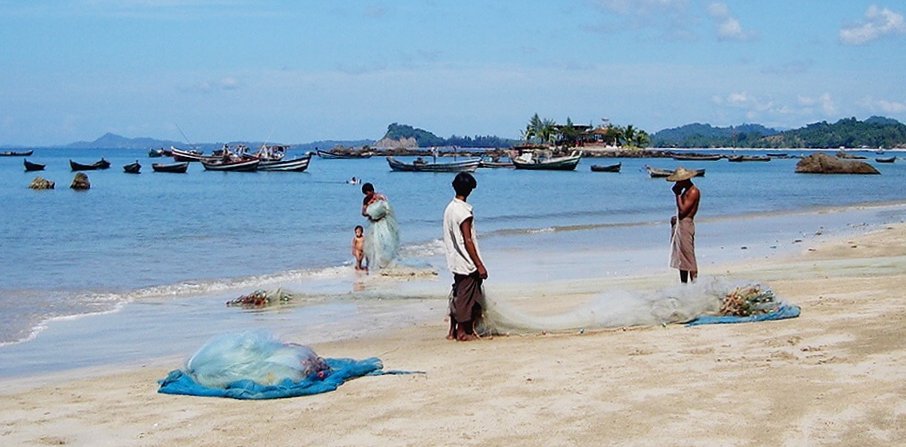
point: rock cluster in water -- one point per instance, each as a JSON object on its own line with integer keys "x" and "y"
{"x": 826, "y": 164}
{"x": 41, "y": 183}
{"x": 80, "y": 182}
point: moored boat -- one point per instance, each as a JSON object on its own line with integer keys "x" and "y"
{"x": 100, "y": 164}
{"x": 697, "y": 157}
{"x": 29, "y": 166}
{"x": 295, "y": 165}
{"x": 886, "y": 159}
{"x": 186, "y": 155}
{"x": 607, "y": 168}
{"x": 133, "y": 168}
{"x": 565, "y": 163}
{"x": 178, "y": 168}
{"x": 419, "y": 165}
{"x": 16, "y": 154}
{"x": 154, "y": 153}
{"x": 661, "y": 173}
{"x": 741, "y": 158}
{"x": 231, "y": 165}
{"x": 343, "y": 156}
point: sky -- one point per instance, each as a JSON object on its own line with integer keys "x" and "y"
{"x": 301, "y": 71}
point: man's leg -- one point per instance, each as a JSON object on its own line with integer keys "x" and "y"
{"x": 684, "y": 276}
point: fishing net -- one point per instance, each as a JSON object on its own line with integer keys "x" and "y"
{"x": 677, "y": 304}
{"x": 382, "y": 239}
{"x": 262, "y": 298}
{"x": 252, "y": 355}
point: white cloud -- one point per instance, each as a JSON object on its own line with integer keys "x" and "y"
{"x": 728, "y": 26}
{"x": 884, "y": 105}
{"x": 878, "y": 22}
{"x": 756, "y": 107}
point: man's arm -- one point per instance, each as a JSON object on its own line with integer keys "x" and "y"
{"x": 466, "y": 228}
{"x": 685, "y": 203}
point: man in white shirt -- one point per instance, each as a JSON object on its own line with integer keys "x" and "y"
{"x": 464, "y": 261}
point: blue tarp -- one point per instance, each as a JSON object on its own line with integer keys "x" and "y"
{"x": 783, "y": 312}
{"x": 341, "y": 370}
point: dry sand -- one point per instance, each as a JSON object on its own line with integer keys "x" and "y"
{"x": 834, "y": 376}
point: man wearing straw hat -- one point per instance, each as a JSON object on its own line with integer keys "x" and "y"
{"x": 682, "y": 239}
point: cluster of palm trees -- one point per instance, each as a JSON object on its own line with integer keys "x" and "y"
{"x": 547, "y": 131}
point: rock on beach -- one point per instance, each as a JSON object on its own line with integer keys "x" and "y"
{"x": 80, "y": 182}
{"x": 826, "y": 164}
{"x": 41, "y": 183}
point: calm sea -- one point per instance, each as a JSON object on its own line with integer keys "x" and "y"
{"x": 65, "y": 253}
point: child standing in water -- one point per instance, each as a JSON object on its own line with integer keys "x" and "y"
{"x": 358, "y": 247}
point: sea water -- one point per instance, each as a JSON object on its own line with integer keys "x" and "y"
{"x": 158, "y": 249}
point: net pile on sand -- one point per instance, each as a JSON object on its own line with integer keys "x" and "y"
{"x": 749, "y": 300}
{"x": 262, "y": 298}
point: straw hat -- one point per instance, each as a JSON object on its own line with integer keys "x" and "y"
{"x": 681, "y": 174}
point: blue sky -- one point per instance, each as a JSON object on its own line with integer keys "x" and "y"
{"x": 299, "y": 71}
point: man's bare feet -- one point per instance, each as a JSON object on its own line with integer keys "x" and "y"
{"x": 467, "y": 337}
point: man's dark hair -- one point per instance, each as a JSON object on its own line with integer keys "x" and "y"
{"x": 464, "y": 183}
{"x": 366, "y": 188}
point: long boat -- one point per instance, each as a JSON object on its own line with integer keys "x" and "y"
{"x": 660, "y": 173}
{"x": 697, "y": 157}
{"x": 236, "y": 166}
{"x": 295, "y": 165}
{"x": 178, "y": 168}
{"x": 100, "y": 164}
{"x": 565, "y": 163}
{"x": 468, "y": 165}
{"x": 16, "y": 154}
{"x": 886, "y": 159}
{"x": 495, "y": 164}
{"x": 741, "y": 158}
{"x": 133, "y": 168}
{"x": 186, "y": 155}
{"x": 340, "y": 156}
{"x": 607, "y": 168}
{"x": 29, "y": 166}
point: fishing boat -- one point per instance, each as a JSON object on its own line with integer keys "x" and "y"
{"x": 606, "y": 168}
{"x": 178, "y": 168}
{"x": 16, "y": 154}
{"x": 778, "y": 154}
{"x": 29, "y": 166}
{"x": 741, "y": 158}
{"x": 186, "y": 155}
{"x": 420, "y": 165}
{"x": 886, "y": 159}
{"x": 154, "y": 153}
{"x": 565, "y": 163}
{"x": 494, "y": 163}
{"x": 661, "y": 173}
{"x": 133, "y": 168}
{"x": 343, "y": 156}
{"x": 295, "y": 165}
{"x": 231, "y": 165}
{"x": 697, "y": 157}
{"x": 100, "y": 164}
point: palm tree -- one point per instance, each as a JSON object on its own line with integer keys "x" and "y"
{"x": 629, "y": 134}
{"x": 548, "y": 131}
{"x": 642, "y": 139}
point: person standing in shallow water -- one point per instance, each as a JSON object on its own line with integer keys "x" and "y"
{"x": 682, "y": 239}
{"x": 464, "y": 261}
{"x": 382, "y": 236}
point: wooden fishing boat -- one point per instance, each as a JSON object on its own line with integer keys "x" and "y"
{"x": 697, "y": 157}
{"x": 607, "y": 168}
{"x": 566, "y": 163}
{"x": 186, "y": 155}
{"x": 741, "y": 158}
{"x": 419, "y": 165}
{"x": 492, "y": 163}
{"x": 29, "y": 166}
{"x": 777, "y": 154}
{"x": 886, "y": 159}
{"x": 16, "y": 154}
{"x": 178, "y": 168}
{"x": 154, "y": 153}
{"x": 661, "y": 173}
{"x": 133, "y": 168}
{"x": 230, "y": 165}
{"x": 342, "y": 156}
{"x": 100, "y": 164}
{"x": 295, "y": 165}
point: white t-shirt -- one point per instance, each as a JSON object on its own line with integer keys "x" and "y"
{"x": 458, "y": 259}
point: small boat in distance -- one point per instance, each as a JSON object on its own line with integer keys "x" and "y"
{"x": 16, "y": 154}
{"x": 231, "y": 165}
{"x": 607, "y": 168}
{"x": 343, "y": 156}
{"x": 661, "y": 173}
{"x": 100, "y": 164}
{"x": 154, "y": 153}
{"x": 886, "y": 159}
{"x": 777, "y": 154}
{"x": 697, "y": 157}
{"x": 186, "y": 155}
{"x": 295, "y": 165}
{"x": 420, "y": 165}
{"x": 178, "y": 168}
{"x": 565, "y": 163}
{"x": 741, "y": 158}
{"x": 29, "y": 166}
{"x": 133, "y": 168}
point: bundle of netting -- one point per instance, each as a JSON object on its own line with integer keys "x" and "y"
{"x": 262, "y": 298}
{"x": 382, "y": 238}
{"x": 252, "y": 355}
{"x": 677, "y": 304}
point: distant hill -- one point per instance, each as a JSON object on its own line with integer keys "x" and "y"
{"x": 705, "y": 135}
{"x": 424, "y": 138}
{"x": 113, "y": 141}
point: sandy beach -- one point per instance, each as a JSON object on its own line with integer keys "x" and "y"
{"x": 834, "y": 376}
